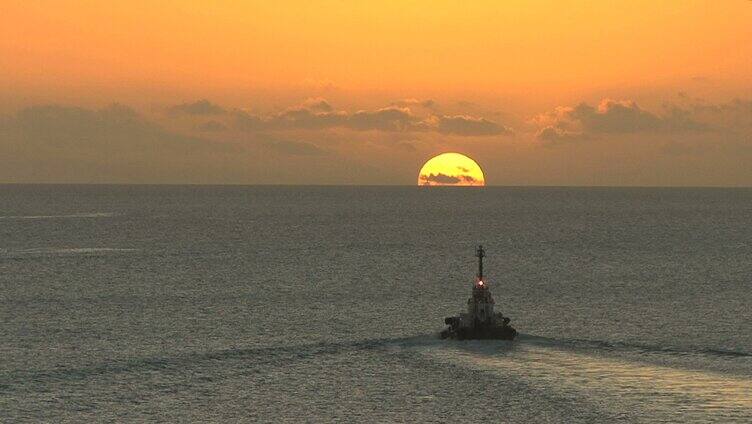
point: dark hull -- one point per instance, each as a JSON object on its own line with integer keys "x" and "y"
{"x": 483, "y": 333}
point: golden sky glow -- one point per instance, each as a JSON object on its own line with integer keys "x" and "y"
{"x": 542, "y": 92}
{"x": 451, "y": 169}
{"x": 536, "y": 48}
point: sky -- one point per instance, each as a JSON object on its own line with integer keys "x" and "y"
{"x": 552, "y": 93}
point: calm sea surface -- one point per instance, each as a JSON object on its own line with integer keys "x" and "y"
{"x": 305, "y": 304}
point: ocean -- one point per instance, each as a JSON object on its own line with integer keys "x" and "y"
{"x": 319, "y": 304}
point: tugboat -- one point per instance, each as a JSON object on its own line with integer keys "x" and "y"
{"x": 480, "y": 321}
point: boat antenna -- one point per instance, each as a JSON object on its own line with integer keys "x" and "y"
{"x": 480, "y": 253}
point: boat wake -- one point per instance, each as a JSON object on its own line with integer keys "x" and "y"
{"x": 596, "y": 372}
{"x": 262, "y": 355}
{"x": 526, "y": 348}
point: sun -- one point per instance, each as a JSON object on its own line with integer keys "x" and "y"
{"x": 451, "y": 169}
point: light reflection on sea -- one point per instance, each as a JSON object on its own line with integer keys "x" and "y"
{"x": 620, "y": 383}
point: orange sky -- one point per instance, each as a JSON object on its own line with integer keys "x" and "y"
{"x": 530, "y": 48}
{"x": 506, "y": 62}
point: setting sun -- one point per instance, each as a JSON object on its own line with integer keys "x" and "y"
{"x": 451, "y": 169}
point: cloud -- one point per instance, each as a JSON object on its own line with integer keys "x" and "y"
{"x": 248, "y": 122}
{"x": 622, "y": 116}
{"x": 317, "y": 104}
{"x": 440, "y": 178}
{"x": 612, "y": 117}
{"x": 553, "y": 135}
{"x": 386, "y": 119}
{"x": 318, "y": 115}
{"x": 470, "y": 126}
{"x": 296, "y": 148}
{"x": 198, "y": 108}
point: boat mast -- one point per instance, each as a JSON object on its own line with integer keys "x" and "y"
{"x": 480, "y": 253}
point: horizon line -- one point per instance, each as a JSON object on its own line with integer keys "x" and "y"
{"x": 366, "y": 185}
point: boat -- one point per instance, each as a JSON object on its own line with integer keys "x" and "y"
{"x": 480, "y": 321}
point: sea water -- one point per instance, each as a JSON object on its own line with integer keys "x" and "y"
{"x": 317, "y": 304}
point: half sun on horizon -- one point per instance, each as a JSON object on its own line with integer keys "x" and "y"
{"x": 451, "y": 169}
